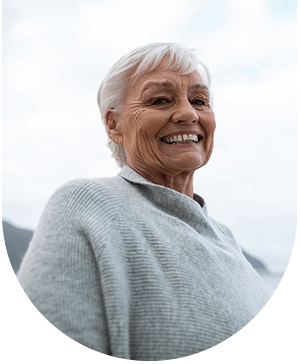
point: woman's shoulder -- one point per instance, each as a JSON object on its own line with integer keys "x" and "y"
{"x": 91, "y": 185}
{"x": 82, "y": 192}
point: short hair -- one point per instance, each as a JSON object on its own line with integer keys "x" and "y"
{"x": 136, "y": 63}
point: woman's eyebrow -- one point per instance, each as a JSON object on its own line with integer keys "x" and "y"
{"x": 198, "y": 86}
{"x": 158, "y": 84}
{"x": 170, "y": 85}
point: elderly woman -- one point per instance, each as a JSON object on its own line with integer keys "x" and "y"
{"x": 133, "y": 266}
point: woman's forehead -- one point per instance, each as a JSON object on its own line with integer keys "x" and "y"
{"x": 167, "y": 79}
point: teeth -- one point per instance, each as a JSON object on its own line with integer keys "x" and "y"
{"x": 175, "y": 139}
{"x": 193, "y": 137}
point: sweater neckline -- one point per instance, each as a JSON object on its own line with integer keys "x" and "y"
{"x": 132, "y": 176}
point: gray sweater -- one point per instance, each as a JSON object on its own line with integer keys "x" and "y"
{"x": 138, "y": 271}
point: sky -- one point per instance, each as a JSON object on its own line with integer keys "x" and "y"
{"x": 55, "y": 54}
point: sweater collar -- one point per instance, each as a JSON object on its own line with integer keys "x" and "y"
{"x": 130, "y": 175}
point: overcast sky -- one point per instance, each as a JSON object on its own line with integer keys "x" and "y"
{"x": 55, "y": 54}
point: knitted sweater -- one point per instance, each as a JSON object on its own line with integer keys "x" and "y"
{"x": 138, "y": 271}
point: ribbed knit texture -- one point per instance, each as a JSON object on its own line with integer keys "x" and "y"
{"x": 138, "y": 271}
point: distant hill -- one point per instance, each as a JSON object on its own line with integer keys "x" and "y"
{"x": 17, "y": 241}
{"x": 257, "y": 264}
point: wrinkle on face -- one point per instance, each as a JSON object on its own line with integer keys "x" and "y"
{"x": 141, "y": 143}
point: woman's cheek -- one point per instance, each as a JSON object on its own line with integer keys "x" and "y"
{"x": 209, "y": 124}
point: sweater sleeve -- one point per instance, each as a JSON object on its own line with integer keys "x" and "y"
{"x": 60, "y": 275}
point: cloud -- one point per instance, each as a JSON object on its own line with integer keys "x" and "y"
{"x": 124, "y": 25}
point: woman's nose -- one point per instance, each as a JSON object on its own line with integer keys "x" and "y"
{"x": 185, "y": 113}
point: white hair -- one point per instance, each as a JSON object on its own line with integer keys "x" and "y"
{"x": 136, "y": 63}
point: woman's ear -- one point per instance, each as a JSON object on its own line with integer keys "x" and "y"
{"x": 111, "y": 121}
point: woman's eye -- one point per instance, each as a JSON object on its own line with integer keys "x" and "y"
{"x": 199, "y": 102}
{"x": 160, "y": 101}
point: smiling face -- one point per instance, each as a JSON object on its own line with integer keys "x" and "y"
{"x": 166, "y": 124}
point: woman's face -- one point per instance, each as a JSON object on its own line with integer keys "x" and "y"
{"x": 166, "y": 124}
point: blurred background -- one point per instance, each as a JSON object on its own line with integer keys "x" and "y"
{"x": 55, "y": 54}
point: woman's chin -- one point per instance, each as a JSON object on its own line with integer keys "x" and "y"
{"x": 189, "y": 165}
